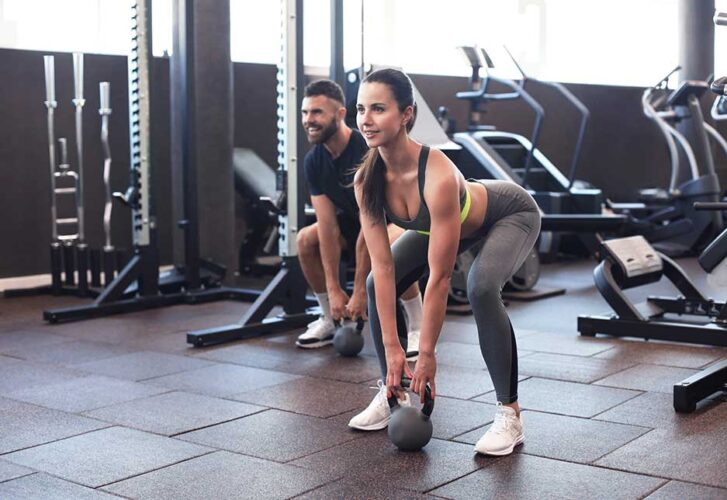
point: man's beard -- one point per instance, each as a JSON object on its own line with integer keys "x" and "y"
{"x": 326, "y": 133}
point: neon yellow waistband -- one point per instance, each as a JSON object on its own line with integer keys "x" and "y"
{"x": 463, "y": 213}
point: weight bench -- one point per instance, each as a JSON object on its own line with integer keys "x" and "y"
{"x": 691, "y": 317}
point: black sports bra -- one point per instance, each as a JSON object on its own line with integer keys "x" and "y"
{"x": 422, "y": 221}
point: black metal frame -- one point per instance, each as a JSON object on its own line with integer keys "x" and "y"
{"x": 692, "y": 319}
{"x": 700, "y": 320}
{"x": 700, "y": 385}
{"x": 199, "y": 280}
{"x": 288, "y": 286}
{"x": 143, "y": 268}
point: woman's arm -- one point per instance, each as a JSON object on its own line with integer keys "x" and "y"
{"x": 441, "y": 193}
{"x": 382, "y": 270}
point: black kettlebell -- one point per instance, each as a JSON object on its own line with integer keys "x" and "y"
{"x": 410, "y": 429}
{"x": 349, "y": 341}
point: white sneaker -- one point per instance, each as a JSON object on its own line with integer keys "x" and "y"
{"x": 376, "y": 416}
{"x": 412, "y": 346}
{"x": 319, "y": 334}
{"x": 505, "y": 433}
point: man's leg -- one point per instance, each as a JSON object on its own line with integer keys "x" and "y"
{"x": 320, "y": 332}
{"x": 309, "y": 256}
{"x": 411, "y": 299}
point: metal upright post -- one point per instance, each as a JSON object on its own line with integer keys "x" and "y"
{"x": 78, "y": 102}
{"x": 186, "y": 82}
{"x": 696, "y": 39}
{"x": 288, "y": 287}
{"x": 290, "y": 128}
{"x": 337, "y": 70}
{"x": 51, "y": 104}
{"x": 81, "y": 248}
{"x": 142, "y": 206}
{"x": 109, "y": 252}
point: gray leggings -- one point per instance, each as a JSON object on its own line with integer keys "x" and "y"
{"x": 509, "y": 232}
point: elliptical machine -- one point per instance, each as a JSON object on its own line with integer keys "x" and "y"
{"x": 666, "y": 217}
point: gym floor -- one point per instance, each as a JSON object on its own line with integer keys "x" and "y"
{"x": 122, "y": 406}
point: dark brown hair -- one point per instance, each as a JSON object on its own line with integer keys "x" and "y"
{"x": 371, "y": 176}
{"x": 327, "y": 88}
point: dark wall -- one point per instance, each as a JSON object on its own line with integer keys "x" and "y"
{"x": 256, "y": 120}
{"x": 623, "y": 150}
{"x": 24, "y": 165}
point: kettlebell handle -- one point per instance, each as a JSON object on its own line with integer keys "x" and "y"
{"x": 359, "y": 324}
{"x": 428, "y": 407}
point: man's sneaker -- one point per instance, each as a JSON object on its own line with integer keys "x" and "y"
{"x": 319, "y": 334}
{"x": 505, "y": 433}
{"x": 412, "y": 346}
{"x": 376, "y": 416}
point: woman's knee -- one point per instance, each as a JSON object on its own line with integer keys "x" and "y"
{"x": 483, "y": 288}
{"x": 370, "y": 291}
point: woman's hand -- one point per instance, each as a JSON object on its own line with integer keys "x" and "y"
{"x": 424, "y": 372}
{"x": 395, "y": 367}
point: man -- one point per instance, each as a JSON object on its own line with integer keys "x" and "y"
{"x": 329, "y": 167}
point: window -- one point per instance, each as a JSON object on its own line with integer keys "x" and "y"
{"x": 91, "y": 26}
{"x": 620, "y": 42}
{"x": 256, "y": 31}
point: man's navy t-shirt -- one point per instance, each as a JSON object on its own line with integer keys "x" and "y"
{"x": 334, "y": 178}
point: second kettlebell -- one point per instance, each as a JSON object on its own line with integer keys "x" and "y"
{"x": 349, "y": 341}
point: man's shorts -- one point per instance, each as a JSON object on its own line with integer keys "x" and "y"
{"x": 350, "y": 228}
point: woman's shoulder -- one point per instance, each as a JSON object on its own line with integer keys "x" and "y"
{"x": 357, "y": 177}
{"x": 436, "y": 154}
{"x": 439, "y": 164}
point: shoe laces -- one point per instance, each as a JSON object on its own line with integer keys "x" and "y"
{"x": 315, "y": 322}
{"x": 321, "y": 323}
{"x": 380, "y": 399}
{"x": 504, "y": 421}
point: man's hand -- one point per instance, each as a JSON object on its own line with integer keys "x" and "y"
{"x": 338, "y": 300}
{"x": 357, "y": 306}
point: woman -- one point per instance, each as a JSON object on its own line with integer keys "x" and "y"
{"x": 422, "y": 191}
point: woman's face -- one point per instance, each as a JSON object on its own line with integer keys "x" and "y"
{"x": 378, "y": 116}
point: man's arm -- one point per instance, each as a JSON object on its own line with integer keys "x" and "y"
{"x": 329, "y": 235}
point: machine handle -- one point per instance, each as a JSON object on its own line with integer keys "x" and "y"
{"x": 78, "y": 75}
{"x": 63, "y": 146}
{"x": 104, "y": 90}
{"x": 50, "y": 79}
{"x": 710, "y": 205}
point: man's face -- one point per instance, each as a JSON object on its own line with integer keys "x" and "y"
{"x": 318, "y": 114}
